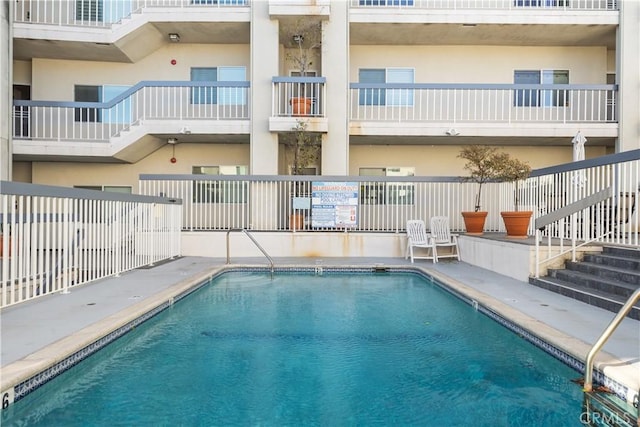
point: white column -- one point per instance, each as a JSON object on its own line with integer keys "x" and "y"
{"x": 628, "y": 70}
{"x": 264, "y": 65}
{"x": 335, "y": 67}
{"x": 6, "y": 89}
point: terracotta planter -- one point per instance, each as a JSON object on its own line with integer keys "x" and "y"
{"x": 517, "y": 223}
{"x": 474, "y": 222}
{"x": 296, "y": 221}
{"x": 300, "y": 106}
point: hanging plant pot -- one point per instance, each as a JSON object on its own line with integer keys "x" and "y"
{"x": 300, "y": 106}
{"x": 517, "y": 223}
{"x": 474, "y": 222}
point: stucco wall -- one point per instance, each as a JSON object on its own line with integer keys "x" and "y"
{"x": 187, "y": 155}
{"x": 156, "y": 66}
{"x": 442, "y": 160}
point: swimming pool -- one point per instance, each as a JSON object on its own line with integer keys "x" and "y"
{"x": 335, "y": 349}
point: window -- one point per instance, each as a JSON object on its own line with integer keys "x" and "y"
{"x": 218, "y": 95}
{"x": 220, "y": 191}
{"x": 387, "y": 193}
{"x": 221, "y": 2}
{"x": 121, "y": 111}
{"x": 379, "y": 96}
{"x": 89, "y": 10}
{"x": 386, "y": 2}
{"x": 541, "y": 3}
{"x": 541, "y": 97}
{"x": 372, "y": 96}
{"x": 87, "y": 94}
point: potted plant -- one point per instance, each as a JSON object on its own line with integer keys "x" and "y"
{"x": 306, "y": 37}
{"x": 302, "y": 149}
{"x": 514, "y": 170}
{"x": 482, "y": 168}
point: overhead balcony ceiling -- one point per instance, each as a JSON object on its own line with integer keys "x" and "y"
{"x": 482, "y": 34}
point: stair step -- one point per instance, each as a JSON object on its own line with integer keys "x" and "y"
{"x": 587, "y": 295}
{"x": 594, "y": 283}
{"x": 617, "y": 274}
{"x": 622, "y": 252}
{"x": 631, "y": 263}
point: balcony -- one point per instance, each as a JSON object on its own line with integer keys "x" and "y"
{"x": 484, "y": 109}
{"x": 484, "y": 22}
{"x": 489, "y": 4}
{"x": 286, "y": 91}
{"x": 123, "y": 31}
{"x": 133, "y": 123}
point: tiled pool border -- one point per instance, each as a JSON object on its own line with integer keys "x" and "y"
{"x": 23, "y": 388}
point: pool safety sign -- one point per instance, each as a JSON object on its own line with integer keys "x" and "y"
{"x": 334, "y": 204}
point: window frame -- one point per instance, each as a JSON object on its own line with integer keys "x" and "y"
{"x": 87, "y": 114}
{"x": 546, "y": 98}
{"x": 217, "y": 95}
{"x": 380, "y": 97}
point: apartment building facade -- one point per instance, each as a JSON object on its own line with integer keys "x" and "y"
{"x": 103, "y": 91}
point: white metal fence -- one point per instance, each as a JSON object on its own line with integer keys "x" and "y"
{"x": 53, "y": 238}
{"x": 279, "y": 203}
{"x": 146, "y": 101}
{"x": 101, "y": 13}
{"x": 270, "y": 202}
{"x": 498, "y": 103}
{"x": 490, "y": 4}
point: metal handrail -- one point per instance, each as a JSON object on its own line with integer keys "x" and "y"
{"x": 588, "y": 371}
{"x": 253, "y": 240}
{"x": 565, "y": 212}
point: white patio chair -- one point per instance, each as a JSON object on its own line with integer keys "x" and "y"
{"x": 417, "y": 237}
{"x": 440, "y": 236}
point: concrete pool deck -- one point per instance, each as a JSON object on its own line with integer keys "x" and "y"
{"x": 37, "y": 334}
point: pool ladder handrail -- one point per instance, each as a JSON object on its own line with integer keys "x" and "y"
{"x": 622, "y": 313}
{"x": 254, "y": 241}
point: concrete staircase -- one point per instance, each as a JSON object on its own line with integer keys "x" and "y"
{"x": 604, "y": 280}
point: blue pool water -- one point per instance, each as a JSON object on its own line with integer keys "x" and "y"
{"x": 298, "y": 350}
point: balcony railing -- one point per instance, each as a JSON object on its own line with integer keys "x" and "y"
{"x": 147, "y": 100}
{"x": 54, "y": 238}
{"x": 288, "y": 90}
{"x": 497, "y": 103}
{"x": 490, "y": 4}
{"x": 98, "y": 13}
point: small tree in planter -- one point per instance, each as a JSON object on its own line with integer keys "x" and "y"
{"x": 481, "y": 165}
{"x": 306, "y": 36}
{"x": 514, "y": 170}
{"x": 302, "y": 149}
